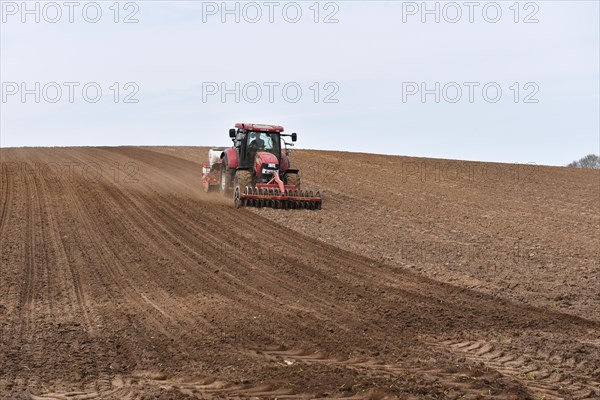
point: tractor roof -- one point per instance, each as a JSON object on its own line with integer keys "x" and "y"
{"x": 259, "y": 127}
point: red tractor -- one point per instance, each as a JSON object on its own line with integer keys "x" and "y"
{"x": 257, "y": 170}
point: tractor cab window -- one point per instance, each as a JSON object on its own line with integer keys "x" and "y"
{"x": 263, "y": 141}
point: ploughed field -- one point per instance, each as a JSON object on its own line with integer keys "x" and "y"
{"x": 419, "y": 279}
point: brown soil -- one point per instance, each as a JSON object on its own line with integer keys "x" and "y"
{"x": 419, "y": 279}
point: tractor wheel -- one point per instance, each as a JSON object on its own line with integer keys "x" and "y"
{"x": 293, "y": 178}
{"x": 241, "y": 180}
{"x": 225, "y": 182}
{"x": 238, "y": 202}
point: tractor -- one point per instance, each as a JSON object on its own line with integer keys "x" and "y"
{"x": 256, "y": 171}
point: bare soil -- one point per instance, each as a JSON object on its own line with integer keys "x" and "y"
{"x": 419, "y": 279}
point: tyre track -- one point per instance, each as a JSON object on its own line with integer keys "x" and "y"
{"x": 548, "y": 377}
{"x": 471, "y": 386}
{"x": 7, "y": 194}
{"x": 43, "y": 212}
{"x": 135, "y": 386}
{"x": 7, "y": 197}
{"x": 27, "y": 298}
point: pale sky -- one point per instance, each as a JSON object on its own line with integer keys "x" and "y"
{"x": 372, "y": 59}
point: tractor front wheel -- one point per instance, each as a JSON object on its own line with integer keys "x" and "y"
{"x": 292, "y": 178}
{"x": 242, "y": 180}
{"x": 238, "y": 202}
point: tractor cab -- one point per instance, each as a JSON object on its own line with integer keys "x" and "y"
{"x": 250, "y": 143}
{"x": 258, "y": 149}
{"x": 265, "y": 141}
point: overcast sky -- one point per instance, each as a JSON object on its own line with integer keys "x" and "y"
{"x": 486, "y": 81}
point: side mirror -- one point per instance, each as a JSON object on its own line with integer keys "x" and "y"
{"x": 294, "y": 137}
{"x": 232, "y": 133}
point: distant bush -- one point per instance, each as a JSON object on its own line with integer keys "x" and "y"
{"x": 590, "y": 161}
